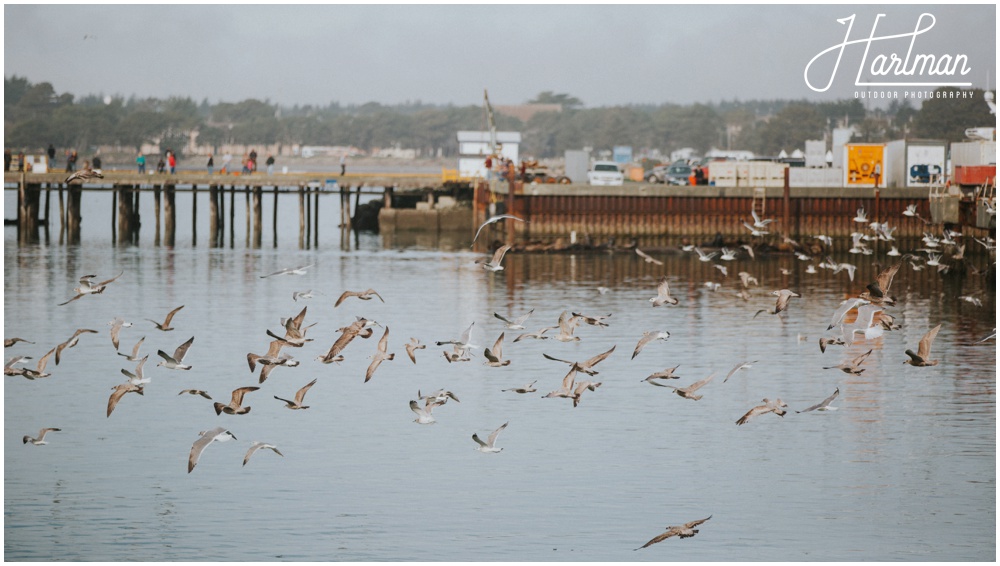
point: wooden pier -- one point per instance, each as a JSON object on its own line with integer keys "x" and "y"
{"x": 33, "y": 213}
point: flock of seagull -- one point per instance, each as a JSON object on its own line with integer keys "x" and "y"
{"x": 869, "y": 323}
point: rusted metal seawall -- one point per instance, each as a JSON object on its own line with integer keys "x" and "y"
{"x": 656, "y": 213}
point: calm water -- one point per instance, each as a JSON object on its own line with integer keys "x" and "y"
{"x": 904, "y": 470}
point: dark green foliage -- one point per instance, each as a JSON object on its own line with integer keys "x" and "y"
{"x": 35, "y": 115}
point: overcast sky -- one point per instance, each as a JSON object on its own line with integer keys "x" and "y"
{"x": 604, "y": 55}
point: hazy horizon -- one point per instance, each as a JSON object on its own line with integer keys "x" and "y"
{"x": 448, "y": 54}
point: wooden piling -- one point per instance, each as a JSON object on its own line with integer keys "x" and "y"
{"x": 213, "y": 216}
{"x": 156, "y": 213}
{"x": 194, "y": 215}
{"x": 258, "y": 217}
{"x": 232, "y": 216}
{"x": 316, "y": 220}
{"x": 308, "y": 217}
{"x": 302, "y": 218}
{"x": 247, "y": 195}
{"x": 274, "y": 217}
{"x": 73, "y": 218}
{"x": 170, "y": 216}
{"x": 116, "y": 215}
{"x": 62, "y": 215}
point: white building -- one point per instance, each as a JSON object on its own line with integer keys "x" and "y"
{"x": 473, "y": 147}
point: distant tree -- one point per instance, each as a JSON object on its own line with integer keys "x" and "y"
{"x": 13, "y": 89}
{"x": 548, "y": 97}
{"x": 947, "y": 118}
{"x": 790, "y": 128}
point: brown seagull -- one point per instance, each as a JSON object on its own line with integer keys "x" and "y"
{"x": 119, "y": 391}
{"x": 768, "y": 407}
{"x": 365, "y": 295}
{"x": 684, "y": 531}
{"x": 72, "y": 341}
{"x": 300, "y": 395}
{"x": 921, "y": 357}
{"x": 380, "y": 355}
{"x": 165, "y": 326}
{"x": 235, "y": 406}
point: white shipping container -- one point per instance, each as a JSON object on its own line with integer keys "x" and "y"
{"x": 925, "y": 164}
{"x": 973, "y": 153}
{"x": 722, "y": 173}
{"x": 805, "y": 177}
{"x": 815, "y": 153}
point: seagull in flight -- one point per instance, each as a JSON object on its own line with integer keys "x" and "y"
{"x": 365, "y": 295}
{"x": 40, "y": 440}
{"x": 88, "y": 287}
{"x": 217, "y": 434}
{"x": 300, "y": 396}
{"x": 489, "y": 447}
{"x": 663, "y": 294}
{"x": 823, "y": 405}
{"x": 922, "y": 356}
{"x": 257, "y": 445}
{"x": 647, "y": 257}
{"x": 177, "y": 360}
{"x": 494, "y": 264}
{"x": 768, "y": 407}
{"x": 301, "y": 270}
{"x": 686, "y": 530}
{"x": 491, "y": 220}
{"x": 165, "y": 325}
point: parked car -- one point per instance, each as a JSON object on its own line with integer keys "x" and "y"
{"x": 605, "y": 173}
{"x": 676, "y": 174}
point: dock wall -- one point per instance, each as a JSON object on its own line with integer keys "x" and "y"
{"x": 656, "y": 211}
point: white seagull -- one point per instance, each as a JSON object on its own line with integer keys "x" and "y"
{"x": 489, "y": 447}
{"x": 217, "y": 434}
{"x": 177, "y": 360}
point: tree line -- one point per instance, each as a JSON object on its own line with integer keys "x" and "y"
{"x": 35, "y": 115}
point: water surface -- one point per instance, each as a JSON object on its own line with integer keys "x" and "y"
{"x": 904, "y": 470}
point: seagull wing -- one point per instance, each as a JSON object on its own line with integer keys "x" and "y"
{"x": 823, "y": 403}
{"x": 300, "y": 395}
{"x": 170, "y": 316}
{"x": 478, "y": 441}
{"x": 343, "y": 296}
{"x": 181, "y": 350}
{"x": 493, "y": 436}
{"x": 598, "y": 358}
{"x": 112, "y": 280}
{"x": 646, "y": 338}
{"x": 924, "y": 347}
{"x": 658, "y": 538}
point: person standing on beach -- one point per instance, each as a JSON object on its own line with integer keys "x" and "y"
{"x": 6, "y": 160}
{"x": 343, "y": 164}
{"x": 211, "y": 163}
{"x": 171, "y": 161}
{"x": 252, "y": 162}
{"x": 71, "y": 162}
{"x": 270, "y": 164}
{"x": 52, "y": 156}
{"x": 140, "y": 162}
{"x": 97, "y": 162}
{"x": 226, "y": 159}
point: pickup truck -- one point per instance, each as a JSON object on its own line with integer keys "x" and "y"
{"x": 605, "y": 173}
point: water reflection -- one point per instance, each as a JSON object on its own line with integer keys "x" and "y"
{"x": 911, "y": 448}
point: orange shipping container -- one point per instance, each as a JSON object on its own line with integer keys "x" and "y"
{"x": 863, "y": 161}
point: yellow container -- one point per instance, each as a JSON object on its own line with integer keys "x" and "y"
{"x": 634, "y": 173}
{"x": 863, "y": 163}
